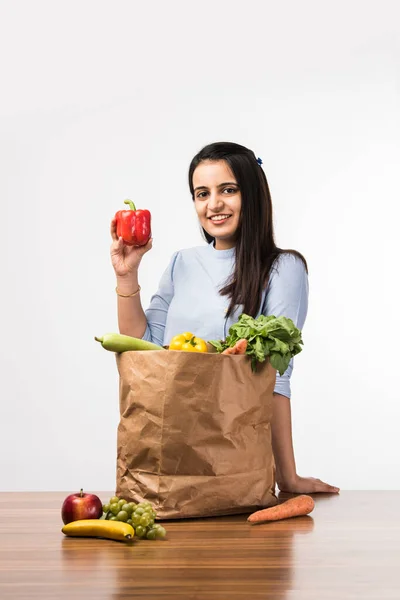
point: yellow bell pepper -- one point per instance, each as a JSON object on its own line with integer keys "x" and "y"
{"x": 188, "y": 343}
{"x": 199, "y": 345}
{"x": 177, "y": 342}
{"x": 188, "y": 347}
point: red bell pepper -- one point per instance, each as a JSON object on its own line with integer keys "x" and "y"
{"x": 134, "y": 226}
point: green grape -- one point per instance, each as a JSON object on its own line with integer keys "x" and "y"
{"x": 121, "y": 502}
{"x": 139, "y": 510}
{"x": 114, "y": 500}
{"x": 160, "y": 532}
{"x": 122, "y": 515}
{"x": 136, "y": 518}
{"x": 145, "y": 520}
{"x": 127, "y": 508}
{"x": 129, "y": 521}
{"x": 151, "y": 522}
{"x": 113, "y": 518}
{"x": 151, "y": 534}
{"x": 106, "y": 508}
{"x": 132, "y": 506}
{"x": 140, "y": 531}
{"x": 114, "y": 508}
{"x": 156, "y": 526}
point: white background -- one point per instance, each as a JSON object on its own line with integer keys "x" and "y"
{"x": 102, "y": 101}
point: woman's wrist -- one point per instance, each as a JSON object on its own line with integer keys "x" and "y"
{"x": 285, "y": 480}
{"x": 128, "y": 284}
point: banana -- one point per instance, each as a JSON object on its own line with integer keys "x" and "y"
{"x": 111, "y": 530}
{"x": 116, "y": 342}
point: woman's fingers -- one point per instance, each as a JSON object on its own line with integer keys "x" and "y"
{"x": 307, "y": 485}
{"x": 321, "y": 486}
{"x": 117, "y": 246}
{"x": 131, "y": 254}
{"x": 113, "y": 230}
{"x": 146, "y": 247}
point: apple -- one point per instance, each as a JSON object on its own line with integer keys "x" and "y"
{"x": 81, "y": 506}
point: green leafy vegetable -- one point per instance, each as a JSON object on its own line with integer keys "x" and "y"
{"x": 276, "y": 337}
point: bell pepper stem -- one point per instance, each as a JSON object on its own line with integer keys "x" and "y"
{"x": 131, "y": 204}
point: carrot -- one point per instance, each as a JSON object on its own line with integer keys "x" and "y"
{"x": 230, "y": 350}
{"x": 241, "y": 346}
{"x": 238, "y": 348}
{"x": 294, "y": 507}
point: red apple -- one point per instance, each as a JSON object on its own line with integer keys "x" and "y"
{"x": 81, "y": 506}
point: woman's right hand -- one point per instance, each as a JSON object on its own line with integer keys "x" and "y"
{"x": 126, "y": 259}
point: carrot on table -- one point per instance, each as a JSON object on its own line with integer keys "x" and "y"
{"x": 294, "y": 507}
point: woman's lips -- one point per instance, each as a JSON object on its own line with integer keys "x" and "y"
{"x": 219, "y": 221}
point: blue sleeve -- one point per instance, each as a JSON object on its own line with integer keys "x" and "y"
{"x": 287, "y": 295}
{"x": 156, "y": 314}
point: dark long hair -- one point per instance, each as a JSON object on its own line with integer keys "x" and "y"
{"x": 255, "y": 248}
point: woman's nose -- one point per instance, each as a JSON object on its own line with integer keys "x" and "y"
{"x": 214, "y": 201}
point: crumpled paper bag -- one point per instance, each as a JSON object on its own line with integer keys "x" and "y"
{"x": 194, "y": 437}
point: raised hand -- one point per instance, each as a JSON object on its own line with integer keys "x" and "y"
{"x": 125, "y": 259}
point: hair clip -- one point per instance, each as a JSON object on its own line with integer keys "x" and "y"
{"x": 260, "y": 162}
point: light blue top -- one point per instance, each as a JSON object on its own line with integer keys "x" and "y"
{"x": 187, "y": 298}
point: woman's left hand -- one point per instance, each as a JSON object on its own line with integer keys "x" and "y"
{"x": 307, "y": 485}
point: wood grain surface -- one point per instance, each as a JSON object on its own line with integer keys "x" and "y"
{"x": 348, "y": 548}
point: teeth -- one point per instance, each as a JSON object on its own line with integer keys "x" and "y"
{"x": 220, "y": 217}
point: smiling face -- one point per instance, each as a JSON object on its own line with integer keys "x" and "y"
{"x": 218, "y": 201}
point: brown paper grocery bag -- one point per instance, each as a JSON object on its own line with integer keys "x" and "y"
{"x": 194, "y": 437}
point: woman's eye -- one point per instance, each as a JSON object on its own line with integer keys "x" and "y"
{"x": 229, "y": 190}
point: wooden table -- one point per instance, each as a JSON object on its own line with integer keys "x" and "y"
{"x": 348, "y": 548}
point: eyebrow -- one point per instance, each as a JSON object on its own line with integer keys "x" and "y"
{"x": 204, "y": 187}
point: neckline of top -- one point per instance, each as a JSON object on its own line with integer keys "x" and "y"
{"x": 229, "y": 253}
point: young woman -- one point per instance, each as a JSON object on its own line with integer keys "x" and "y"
{"x": 205, "y": 289}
